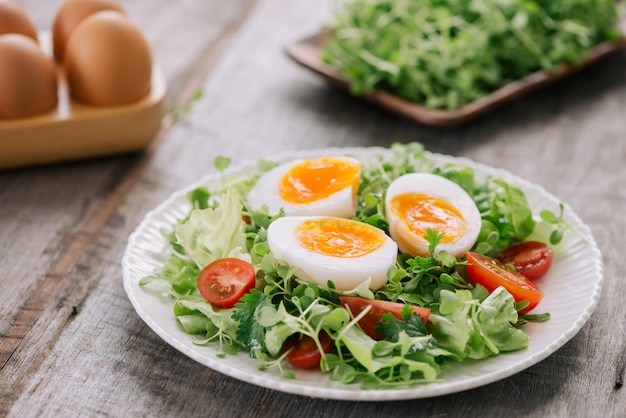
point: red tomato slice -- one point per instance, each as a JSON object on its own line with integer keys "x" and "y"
{"x": 226, "y": 280}
{"x": 370, "y": 321}
{"x": 531, "y": 259}
{"x": 491, "y": 273}
{"x": 304, "y": 353}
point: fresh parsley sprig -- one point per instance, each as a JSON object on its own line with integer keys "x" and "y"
{"x": 420, "y": 280}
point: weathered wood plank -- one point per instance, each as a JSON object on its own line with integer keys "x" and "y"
{"x": 51, "y": 215}
{"x": 103, "y": 361}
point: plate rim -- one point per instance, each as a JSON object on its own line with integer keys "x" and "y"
{"x": 353, "y": 391}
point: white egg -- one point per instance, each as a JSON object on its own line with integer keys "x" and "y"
{"x": 320, "y": 187}
{"x": 321, "y": 248}
{"x": 418, "y": 201}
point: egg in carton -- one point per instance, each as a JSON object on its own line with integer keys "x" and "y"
{"x": 86, "y": 89}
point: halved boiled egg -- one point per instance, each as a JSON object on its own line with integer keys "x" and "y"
{"x": 418, "y": 201}
{"x": 319, "y": 187}
{"x": 345, "y": 251}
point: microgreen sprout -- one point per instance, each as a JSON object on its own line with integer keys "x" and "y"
{"x": 221, "y": 163}
{"x": 559, "y": 225}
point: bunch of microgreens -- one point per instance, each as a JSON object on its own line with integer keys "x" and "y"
{"x": 446, "y": 53}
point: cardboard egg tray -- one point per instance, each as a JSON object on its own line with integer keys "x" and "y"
{"x": 74, "y": 130}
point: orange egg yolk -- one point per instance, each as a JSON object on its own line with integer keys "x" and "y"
{"x": 420, "y": 212}
{"x": 317, "y": 179}
{"x": 339, "y": 237}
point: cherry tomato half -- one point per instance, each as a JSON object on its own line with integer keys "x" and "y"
{"x": 226, "y": 280}
{"x": 531, "y": 259}
{"x": 370, "y": 321}
{"x": 304, "y": 353}
{"x": 491, "y": 273}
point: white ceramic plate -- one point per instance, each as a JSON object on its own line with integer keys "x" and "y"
{"x": 572, "y": 288}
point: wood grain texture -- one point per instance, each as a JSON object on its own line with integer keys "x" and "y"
{"x": 63, "y": 223}
{"x": 70, "y": 342}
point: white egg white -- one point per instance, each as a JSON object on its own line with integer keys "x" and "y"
{"x": 341, "y": 204}
{"x": 446, "y": 190}
{"x": 346, "y": 273}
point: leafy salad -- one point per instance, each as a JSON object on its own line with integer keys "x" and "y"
{"x": 434, "y": 310}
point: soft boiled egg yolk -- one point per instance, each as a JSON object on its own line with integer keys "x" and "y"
{"x": 344, "y": 251}
{"x": 322, "y": 187}
{"x": 419, "y": 201}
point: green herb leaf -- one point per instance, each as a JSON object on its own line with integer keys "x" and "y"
{"x": 221, "y": 163}
{"x": 249, "y": 331}
{"x": 412, "y": 324}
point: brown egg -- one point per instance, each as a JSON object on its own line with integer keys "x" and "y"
{"x": 71, "y": 14}
{"x": 13, "y": 19}
{"x": 28, "y": 79}
{"x": 108, "y": 61}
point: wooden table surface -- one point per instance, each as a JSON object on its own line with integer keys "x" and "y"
{"x": 71, "y": 344}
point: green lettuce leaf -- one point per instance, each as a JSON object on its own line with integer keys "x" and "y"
{"x": 210, "y": 234}
{"x": 467, "y": 328}
{"x": 194, "y": 312}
